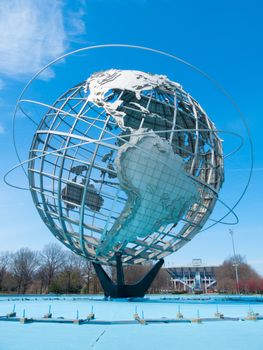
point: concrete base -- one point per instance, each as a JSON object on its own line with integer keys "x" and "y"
{"x": 24, "y": 320}
{"x": 77, "y": 321}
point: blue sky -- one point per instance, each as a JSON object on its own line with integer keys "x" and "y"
{"x": 224, "y": 39}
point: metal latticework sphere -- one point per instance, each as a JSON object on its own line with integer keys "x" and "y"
{"x": 125, "y": 161}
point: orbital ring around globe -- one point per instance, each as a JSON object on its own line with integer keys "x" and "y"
{"x": 77, "y": 190}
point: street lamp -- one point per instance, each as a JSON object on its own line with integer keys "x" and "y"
{"x": 235, "y": 265}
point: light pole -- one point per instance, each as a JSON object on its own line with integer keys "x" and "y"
{"x": 235, "y": 264}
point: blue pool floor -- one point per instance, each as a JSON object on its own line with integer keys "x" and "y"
{"x": 237, "y": 335}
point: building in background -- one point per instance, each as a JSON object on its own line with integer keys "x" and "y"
{"x": 195, "y": 278}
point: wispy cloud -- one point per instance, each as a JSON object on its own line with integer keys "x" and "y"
{"x": 33, "y": 32}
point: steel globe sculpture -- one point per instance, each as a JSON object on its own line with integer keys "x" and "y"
{"x": 125, "y": 167}
{"x": 128, "y": 163}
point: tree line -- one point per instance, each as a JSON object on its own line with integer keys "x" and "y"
{"x": 55, "y": 270}
{"x": 249, "y": 281}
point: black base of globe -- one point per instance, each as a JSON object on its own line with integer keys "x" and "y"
{"x": 122, "y": 290}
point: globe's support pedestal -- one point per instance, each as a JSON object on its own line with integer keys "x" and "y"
{"x": 122, "y": 290}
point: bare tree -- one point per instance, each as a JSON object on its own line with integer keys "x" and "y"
{"x": 52, "y": 259}
{"x": 134, "y": 273}
{"x": 70, "y": 279}
{"x": 4, "y": 265}
{"x": 89, "y": 276}
{"x": 24, "y": 266}
{"x": 162, "y": 282}
{"x": 226, "y": 278}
